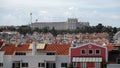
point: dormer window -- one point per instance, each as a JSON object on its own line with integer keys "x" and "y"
{"x": 20, "y": 53}
{"x": 83, "y": 51}
{"x": 97, "y": 51}
{"x": 90, "y": 52}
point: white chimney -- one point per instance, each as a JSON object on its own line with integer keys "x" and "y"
{"x": 73, "y": 43}
{"x": 16, "y": 45}
{"x": 34, "y": 48}
{"x": 3, "y": 44}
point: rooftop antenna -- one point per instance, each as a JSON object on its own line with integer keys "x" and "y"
{"x": 30, "y": 18}
{"x": 30, "y": 22}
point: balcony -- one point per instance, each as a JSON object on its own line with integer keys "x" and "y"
{"x": 41, "y": 58}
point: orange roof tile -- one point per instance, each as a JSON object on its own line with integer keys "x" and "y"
{"x": 61, "y": 49}
{"x": 10, "y": 48}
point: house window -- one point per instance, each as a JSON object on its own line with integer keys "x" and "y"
{"x": 50, "y": 65}
{"x": 97, "y": 51}
{"x": 50, "y": 53}
{"x": 20, "y": 53}
{"x": 74, "y": 64}
{"x": 118, "y": 60}
{"x": 24, "y": 64}
{"x": 64, "y": 65}
{"x": 83, "y": 65}
{"x": 1, "y": 64}
{"x": 97, "y": 65}
{"x": 16, "y": 65}
{"x": 41, "y": 64}
{"x": 90, "y": 51}
{"x": 83, "y": 51}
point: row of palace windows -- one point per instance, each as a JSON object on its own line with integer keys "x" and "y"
{"x": 83, "y": 51}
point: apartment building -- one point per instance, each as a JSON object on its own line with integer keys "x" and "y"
{"x": 34, "y": 55}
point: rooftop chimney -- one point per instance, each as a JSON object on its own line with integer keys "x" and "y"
{"x": 73, "y": 43}
{"x": 34, "y": 48}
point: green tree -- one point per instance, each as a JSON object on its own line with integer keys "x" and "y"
{"x": 54, "y": 32}
{"x": 70, "y": 65}
{"x": 24, "y": 30}
{"x": 114, "y": 30}
{"x": 11, "y": 29}
{"x": 99, "y": 28}
{"x": 1, "y": 29}
{"x": 45, "y": 29}
{"x": 104, "y": 64}
{"x": 37, "y": 30}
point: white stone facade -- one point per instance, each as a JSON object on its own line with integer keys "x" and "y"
{"x": 71, "y": 23}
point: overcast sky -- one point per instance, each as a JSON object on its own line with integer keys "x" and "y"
{"x": 17, "y": 12}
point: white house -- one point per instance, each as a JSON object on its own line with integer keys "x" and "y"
{"x": 34, "y": 55}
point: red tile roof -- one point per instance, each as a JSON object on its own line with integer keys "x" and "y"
{"x": 61, "y": 49}
{"x": 10, "y": 48}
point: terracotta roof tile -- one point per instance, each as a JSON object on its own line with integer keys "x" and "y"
{"x": 10, "y": 48}
{"x": 61, "y": 49}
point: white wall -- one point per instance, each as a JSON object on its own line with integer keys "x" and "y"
{"x": 34, "y": 60}
{"x": 62, "y": 59}
{"x": 113, "y": 65}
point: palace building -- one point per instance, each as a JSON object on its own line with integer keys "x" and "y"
{"x": 71, "y": 23}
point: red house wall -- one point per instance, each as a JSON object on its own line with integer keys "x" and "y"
{"x": 76, "y": 52}
{"x": 90, "y": 64}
